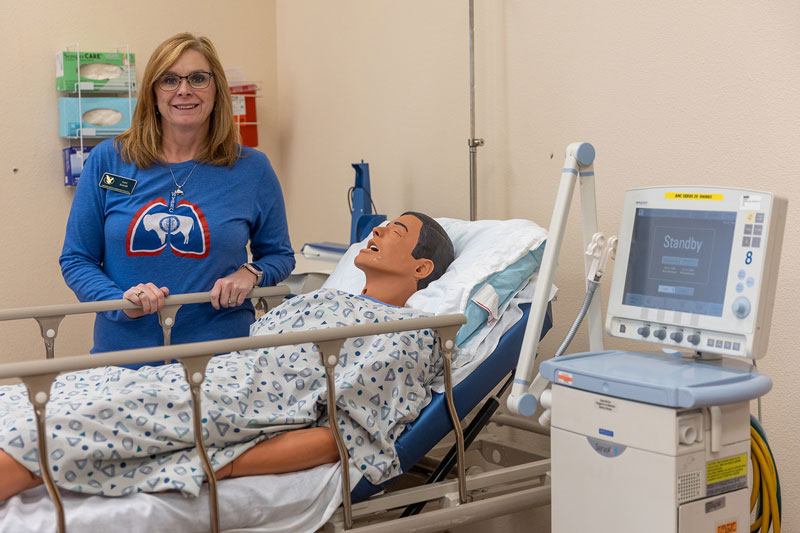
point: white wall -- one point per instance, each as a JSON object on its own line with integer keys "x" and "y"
{"x": 34, "y": 204}
{"x": 669, "y": 93}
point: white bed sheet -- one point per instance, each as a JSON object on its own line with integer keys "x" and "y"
{"x": 287, "y": 503}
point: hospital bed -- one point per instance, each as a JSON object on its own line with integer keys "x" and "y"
{"x": 473, "y": 293}
{"x": 482, "y": 286}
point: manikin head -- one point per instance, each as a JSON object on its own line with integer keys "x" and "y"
{"x": 404, "y": 257}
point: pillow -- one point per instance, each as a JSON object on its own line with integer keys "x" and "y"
{"x": 487, "y": 299}
{"x": 494, "y": 259}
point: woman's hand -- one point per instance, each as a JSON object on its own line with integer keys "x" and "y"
{"x": 148, "y": 296}
{"x": 231, "y": 291}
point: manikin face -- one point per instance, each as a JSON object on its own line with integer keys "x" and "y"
{"x": 186, "y": 108}
{"x": 389, "y": 250}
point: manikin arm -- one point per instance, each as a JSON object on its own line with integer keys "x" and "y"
{"x": 288, "y": 452}
{"x": 14, "y": 477}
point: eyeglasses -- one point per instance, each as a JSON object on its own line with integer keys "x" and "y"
{"x": 196, "y": 80}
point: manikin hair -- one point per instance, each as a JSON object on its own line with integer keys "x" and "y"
{"x": 433, "y": 244}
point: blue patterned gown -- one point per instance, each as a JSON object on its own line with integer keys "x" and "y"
{"x": 115, "y": 431}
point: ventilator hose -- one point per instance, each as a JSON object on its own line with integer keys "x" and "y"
{"x": 766, "y": 483}
{"x": 578, "y": 319}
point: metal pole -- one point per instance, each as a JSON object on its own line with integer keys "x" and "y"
{"x": 472, "y": 142}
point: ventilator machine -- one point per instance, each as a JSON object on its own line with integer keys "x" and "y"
{"x": 660, "y": 441}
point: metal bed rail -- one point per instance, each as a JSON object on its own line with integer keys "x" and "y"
{"x": 38, "y": 376}
{"x": 495, "y": 493}
{"x": 49, "y": 317}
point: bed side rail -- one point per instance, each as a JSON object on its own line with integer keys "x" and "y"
{"x": 38, "y": 377}
{"x": 49, "y": 317}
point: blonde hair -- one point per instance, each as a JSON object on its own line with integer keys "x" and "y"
{"x": 141, "y": 144}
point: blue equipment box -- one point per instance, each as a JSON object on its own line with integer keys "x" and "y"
{"x": 73, "y": 164}
{"x": 94, "y": 117}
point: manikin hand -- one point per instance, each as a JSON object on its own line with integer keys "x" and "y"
{"x": 231, "y": 291}
{"x": 150, "y": 297}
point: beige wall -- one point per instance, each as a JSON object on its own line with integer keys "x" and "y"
{"x": 668, "y": 92}
{"x": 34, "y": 201}
{"x": 679, "y": 92}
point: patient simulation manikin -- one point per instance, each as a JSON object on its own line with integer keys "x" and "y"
{"x": 116, "y": 431}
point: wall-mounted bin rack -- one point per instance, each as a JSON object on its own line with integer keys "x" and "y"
{"x": 100, "y": 104}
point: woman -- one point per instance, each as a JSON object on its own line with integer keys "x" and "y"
{"x": 170, "y": 205}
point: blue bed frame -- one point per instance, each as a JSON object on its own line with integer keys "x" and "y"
{"x": 434, "y": 422}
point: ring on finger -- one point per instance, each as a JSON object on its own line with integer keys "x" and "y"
{"x": 231, "y": 302}
{"x": 139, "y": 293}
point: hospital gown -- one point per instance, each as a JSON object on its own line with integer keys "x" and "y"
{"x": 115, "y": 431}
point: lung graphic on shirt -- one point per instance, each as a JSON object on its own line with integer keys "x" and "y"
{"x": 153, "y": 228}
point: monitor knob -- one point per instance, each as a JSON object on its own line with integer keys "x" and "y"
{"x": 694, "y": 338}
{"x": 660, "y": 334}
{"x": 644, "y": 331}
{"x": 741, "y": 307}
{"x": 677, "y": 336}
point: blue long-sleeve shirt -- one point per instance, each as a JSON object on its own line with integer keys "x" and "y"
{"x": 115, "y": 240}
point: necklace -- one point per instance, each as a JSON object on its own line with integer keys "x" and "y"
{"x": 179, "y": 188}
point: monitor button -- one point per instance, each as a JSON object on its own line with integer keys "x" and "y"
{"x": 741, "y": 307}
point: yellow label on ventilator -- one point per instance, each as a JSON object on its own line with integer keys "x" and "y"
{"x": 693, "y": 196}
{"x": 726, "y": 475}
{"x": 728, "y": 468}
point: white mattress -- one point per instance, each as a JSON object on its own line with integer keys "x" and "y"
{"x": 287, "y": 503}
